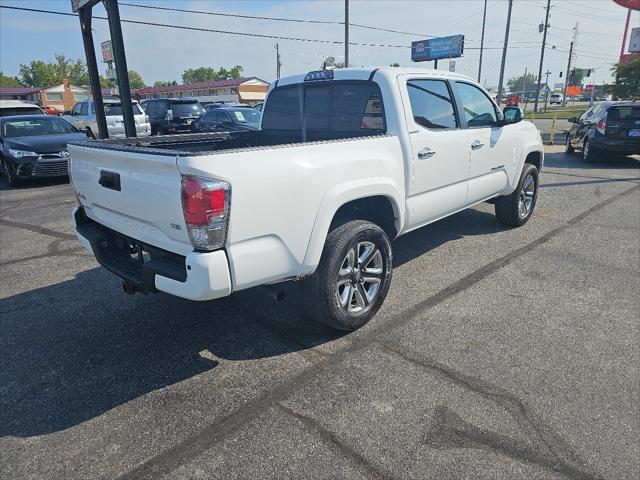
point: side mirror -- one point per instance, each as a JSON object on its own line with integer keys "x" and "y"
{"x": 572, "y": 120}
{"x": 512, "y": 115}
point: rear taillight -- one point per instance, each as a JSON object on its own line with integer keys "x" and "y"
{"x": 205, "y": 204}
{"x": 602, "y": 125}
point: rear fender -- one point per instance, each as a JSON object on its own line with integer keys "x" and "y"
{"x": 338, "y": 196}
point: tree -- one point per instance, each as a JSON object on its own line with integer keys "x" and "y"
{"x": 162, "y": 83}
{"x": 7, "y": 81}
{"x": 330, "y": 62}
{"x": 519, "y": 83}
{"x": 209, "y": 74}
{"x": 627, "y": 83}
{"x": 135, "y": 80}
{"x": 38, "y": 73}
{"x": 575, "y": 77}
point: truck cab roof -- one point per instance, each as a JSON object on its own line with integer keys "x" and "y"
{"x": 368, "y": 73}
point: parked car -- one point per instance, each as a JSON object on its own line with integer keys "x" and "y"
{"x": 35, "y": 146}
{"x": 556, "y": 98}
{"x": 16, "y": 107}
{"x": 348, "y": 160}
{"x": 606, "y": 127}
{"x": 228, "y": 119}
{"x": 83, "y": 116}
{"x": 49, "y": 110}
{"x": 172, "y": 115}
{"x": 225, "y": 104}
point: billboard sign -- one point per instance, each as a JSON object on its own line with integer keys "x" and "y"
{"x": 107, "y": 51}
{"x": 437, "y": 48}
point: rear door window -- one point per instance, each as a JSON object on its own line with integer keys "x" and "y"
{"x": 431, "y": 104}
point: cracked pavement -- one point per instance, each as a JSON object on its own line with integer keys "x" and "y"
{"x": 498, "y": 353}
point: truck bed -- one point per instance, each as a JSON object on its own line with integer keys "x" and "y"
{"x": 193, "y": 144}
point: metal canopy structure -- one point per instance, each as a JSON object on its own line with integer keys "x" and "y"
{"x": 84, "y": 10}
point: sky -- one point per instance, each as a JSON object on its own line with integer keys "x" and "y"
{"x": 163, "y": 54}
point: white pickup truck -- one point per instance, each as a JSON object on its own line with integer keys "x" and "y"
{"x": 346, "y": 161}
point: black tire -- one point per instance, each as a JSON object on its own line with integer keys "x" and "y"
{"x": 509, "y": 208}
{"x": 589, "y": 153}
{"x": 324, "y": 294}
{"x": 568, "y": 148}
{"x": 11, "y": 177}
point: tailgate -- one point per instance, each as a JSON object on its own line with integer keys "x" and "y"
{"x": 136, "y": 194}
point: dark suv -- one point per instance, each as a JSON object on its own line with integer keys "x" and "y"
{"x": 172, "y": 115}
{"x": 225, "y": 118}
{"x": 607, "y": 127}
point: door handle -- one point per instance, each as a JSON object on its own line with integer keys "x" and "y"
{"x": 426, "y": 153}
{"x": 476, "y": 145}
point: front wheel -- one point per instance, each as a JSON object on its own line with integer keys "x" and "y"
{"x": 568, "y": 148}
{"x": 353, "y": 277}
{"x": 516, "y": 209}
{"x": 11, "y": 176}
{"x": 589, "y": 153}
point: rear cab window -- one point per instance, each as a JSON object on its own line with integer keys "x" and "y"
{"x": 10, "y": 111}
{"x": 326, "y": 109}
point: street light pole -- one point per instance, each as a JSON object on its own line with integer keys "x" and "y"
{"x": 544, "y": 41}
{"x": 504, "y": 51}
{"x": 546, "y": 91}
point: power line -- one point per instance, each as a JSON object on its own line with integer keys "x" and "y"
{"x": 228, "y": 32}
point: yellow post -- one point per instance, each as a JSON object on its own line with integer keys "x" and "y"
{"x": 553, "y": 128}
{"x": 533, "y": 115}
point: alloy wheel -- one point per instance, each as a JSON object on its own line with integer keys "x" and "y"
{"x": 527, "y": 196}
{"x": 360, "y": 277}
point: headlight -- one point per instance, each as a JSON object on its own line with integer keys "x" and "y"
{"x": 22, "y": 153}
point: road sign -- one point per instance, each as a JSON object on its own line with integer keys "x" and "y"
{"x": 107, "y": 51}
{"x": 436, "y": 48}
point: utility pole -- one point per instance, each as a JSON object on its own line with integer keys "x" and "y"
{"x": 544, "y": 42}
{"x": 484, "y": 20}
{"x": 566, "y": 79}
{"x": 546, "y": 93}
{"x": 278, "y": 64}
{"x": 504, "y": 51}
{"x": 346, "y": 33}
{"x": 524, "y": 89}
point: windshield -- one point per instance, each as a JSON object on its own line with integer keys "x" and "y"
{"x": 8, "y": 112}
{"x": 115, "y": 109}
{"x": 245, "y": 115}
{"x": 33, "y": 127}
{"x": 186, "y": 109}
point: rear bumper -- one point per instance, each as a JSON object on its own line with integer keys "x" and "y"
{"x": 619, "y": 145}
{"x": 198, "y": 276}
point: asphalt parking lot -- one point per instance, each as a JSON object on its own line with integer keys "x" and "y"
{"x": 498, "y": 354}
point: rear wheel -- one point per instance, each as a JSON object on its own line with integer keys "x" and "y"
{"x": 516, "y": 209}
{"x": 353, "y": 277}
{"x": 568, "y": 148}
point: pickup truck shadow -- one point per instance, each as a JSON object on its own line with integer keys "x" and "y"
{"x": 74, "y": 350}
